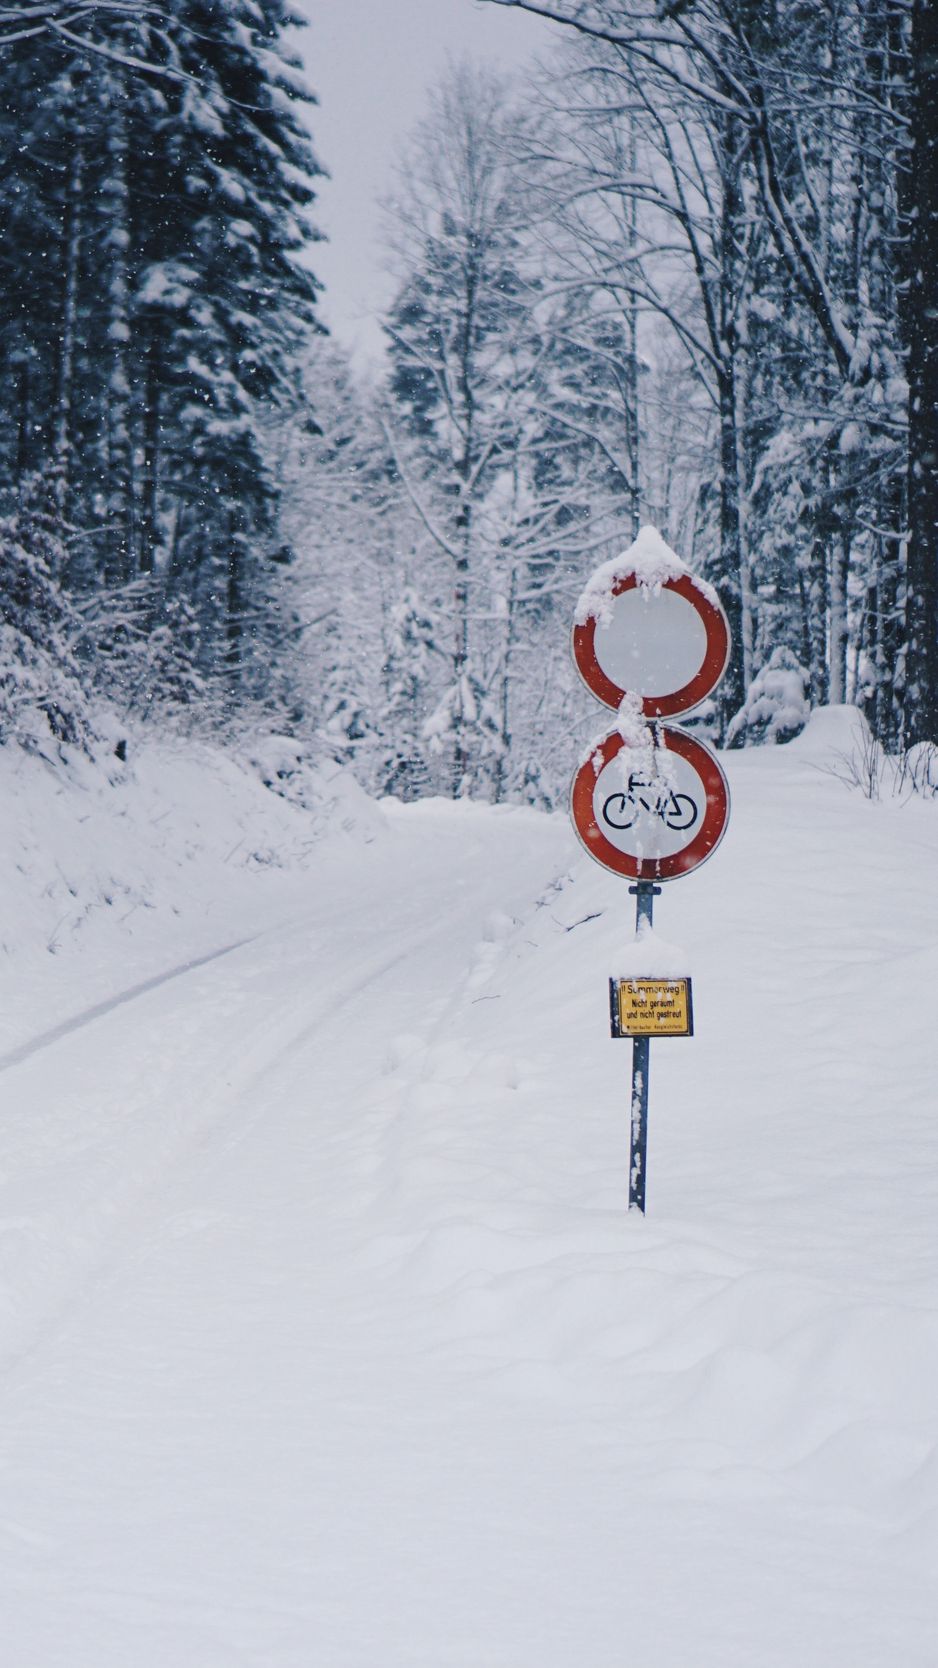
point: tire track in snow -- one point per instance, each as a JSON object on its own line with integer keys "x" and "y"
{"x": 142, "y": 1209}
{"x": 100, "y": 1010}
{"x": 230, "y": 1111}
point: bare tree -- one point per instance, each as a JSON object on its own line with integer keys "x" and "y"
{"x": 650, "y": 191}
{"x": 499, "y": 455}
{"x": 852, "y": 87}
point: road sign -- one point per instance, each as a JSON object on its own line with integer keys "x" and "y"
{"x": 668, "y": 642}
{"x": 651, "y": 813}
{"x": 651, "y": 805}
{"x": 651, "y": 1007}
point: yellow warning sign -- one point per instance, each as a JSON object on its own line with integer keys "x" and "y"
{"x": 651, "y": 1008}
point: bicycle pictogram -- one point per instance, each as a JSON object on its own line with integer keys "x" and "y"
{"x": 678, "y": 811}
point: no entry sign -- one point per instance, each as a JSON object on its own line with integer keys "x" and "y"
{"x": 668, "y": 642}
{"x": 651, "y": 814}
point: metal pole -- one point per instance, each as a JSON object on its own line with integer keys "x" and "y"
{"x": 645, "y": 893}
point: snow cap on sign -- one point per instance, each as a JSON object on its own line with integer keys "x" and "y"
{"x": 650, "y": 560}
{"x": 649, "y": 957}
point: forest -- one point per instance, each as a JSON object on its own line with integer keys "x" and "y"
{"x": 685, "y": 276}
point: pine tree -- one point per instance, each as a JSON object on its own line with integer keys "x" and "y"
{"x": 43, "y": 700}
{"x": 407, "y": 680}
{"x": 157, "y": 221}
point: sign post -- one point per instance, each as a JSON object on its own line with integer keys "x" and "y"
{"x": 650, "y": 802}
{"x": 645, "y": 894}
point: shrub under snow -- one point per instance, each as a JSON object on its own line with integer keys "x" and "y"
{"x": 776, "y": 707}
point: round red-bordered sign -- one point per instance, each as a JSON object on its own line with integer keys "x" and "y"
{"x": 669, "y": 643}
{"x": 646, "y": 830}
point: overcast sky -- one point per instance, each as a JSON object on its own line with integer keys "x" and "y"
{"x": 371, "y": 63}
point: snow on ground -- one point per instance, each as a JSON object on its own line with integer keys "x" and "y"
{"x": 145, "y": 865}
{"x": 327, "y": 1337}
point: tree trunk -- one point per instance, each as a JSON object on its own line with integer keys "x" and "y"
{"x": 837, "y": 676}
{"x": 504, "y": 703}
{"x": 119, "y": 539}
{"x": 149, "y": 532}
{"x": 729, "y": 302}
{"x": 461, "y": 649}
{"x": 884, "y": 190}
{"x": 631, "y": 325}
{"x": 741, "y": 393}
{"x": 24, "y": 406}
{"x": 463, "y": 530}
{"x": 814, "y": 603}
{"x": 234, "y": 603}
{"x": 886, "y": 635}
{"x": 72, "y": 242}
{"x": 731, "y": 692}
{"x": 921, "y": 693}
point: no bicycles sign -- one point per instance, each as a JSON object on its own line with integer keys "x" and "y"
{"x": 649, "y": 802}
{"x": 651, "y": 823}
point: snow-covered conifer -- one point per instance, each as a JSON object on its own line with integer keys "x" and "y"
{"x": 43, "y": 701}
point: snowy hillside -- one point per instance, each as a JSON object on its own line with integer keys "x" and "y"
{"x": 327, "y": 1339}
{"x": 132, "y": 866}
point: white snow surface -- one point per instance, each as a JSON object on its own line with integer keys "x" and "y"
{"x": 649, "y": 956}
{"x": 327, "y": 1338}
{"x": 653, "y": 563}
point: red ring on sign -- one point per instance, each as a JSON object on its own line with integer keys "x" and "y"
{"x": 705, "y": 841}
{"x": 714, "y": 663}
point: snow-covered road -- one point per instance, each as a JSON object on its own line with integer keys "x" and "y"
{"x": 328, "y": 1342}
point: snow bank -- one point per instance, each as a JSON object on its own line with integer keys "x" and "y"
{"x": 831, "y": 731}
{"x": 121, "y": 867}
{"x": 652, "y": 562}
